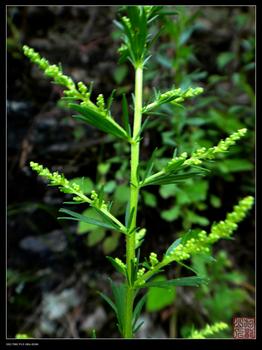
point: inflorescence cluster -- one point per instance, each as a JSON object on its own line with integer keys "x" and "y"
{"x": 201, "y": 242}
{"x": 174, "y": 96}
{"x": 208, "y": 330}
{"x": 202, "y": 153}
{"x": 77, "y": 91}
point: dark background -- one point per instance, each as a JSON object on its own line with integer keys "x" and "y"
{"x": 50, "y": 267}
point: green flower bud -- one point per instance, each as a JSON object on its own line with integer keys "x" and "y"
{"x": 100, "y": 102}
{"x": 153, "y": 259}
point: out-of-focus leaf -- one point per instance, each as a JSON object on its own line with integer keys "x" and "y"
{"x": 95, "y": 237}
{"x": 215, "y": 201}
{"x": 224, "y": 59}
{"x": 196, "y": 219}
{"x": 234, "y": 165}
{"x": 110, "y": 244}
{"x": 194, "y": 281}
{"x": 158, "y": 298}
{"x": 150, "y": 199}
{"x": 120, "y": 73}
{"x": 121, "y": 194}
{"x": 170, "y": 214}
{"x": 85, "y": 183}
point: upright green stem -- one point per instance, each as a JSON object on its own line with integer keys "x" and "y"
{"x": 134, "y": 193}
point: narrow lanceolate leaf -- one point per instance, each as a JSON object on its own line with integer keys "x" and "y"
{"x": 108, "y": 220}
{"x": 130, "y": 218}
{"x": 119, "y": 293}
{"x": 150, "y": 164}
{"x": 143, "y": 126}
{"x": 127, "y": 213}
{"x": 183, "y": 281}
{"x": 137, "y": 311}
{"x": 126, "y": 115}
{"x": 109, "y": 301}
{"x": 96, "y": 118}
{"x": 173, "y": 246}
{"x": 101, "y": 196}
{"x": 110, "y": 100}
{"x": 138, "y": 326}
{"x": 79, "y": 217}
{"x": 169, "y": 178}
{"x": 118, "y": 267}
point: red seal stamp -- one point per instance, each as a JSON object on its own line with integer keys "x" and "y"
{"x": 244, "y": 328}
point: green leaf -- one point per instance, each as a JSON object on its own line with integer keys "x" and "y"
{"x": 158, "y": 298}
{"x": 125, "y": 115}
{"x": 85, "y": 183}
{"x": 95, "y": 237}
{"x": 110, "y": 99}
{"x": 170, "y": 214}
{"x": 197, "y": 191}
{"x": 150, "y": 164}
{"x": 120, "y": 73}
{"x": 196, "y": 219}
{"x": 173, "y": 246}
{"x": 121, "y": 194}
{"x": 224, "y": 59}
{"x": 234, "y": 165}
{"x": 118, "y": 267}
{"x": 194, "y": 281}
{"x": 168, "y": 191}
{"x": 119, "y": 293}
{"x": 150, "y": 199}
{"x": 190, "y": 234}
{"x": 109, "y": 301}
{"x": 103, "y": 168}
{"x": 79, "y": 217}
{"x": 130, "y": 218}
{"x": 110, "y": 186}
{"x": 95, "y": 118}
{"x": 215, "y": 201}
{"x": 110, "y": 244}
{"x": 137, "y": 311}
{"x": 138, "y": 326}
{"x": 114, "y": 226}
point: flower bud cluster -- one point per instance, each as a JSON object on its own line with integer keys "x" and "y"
{"x": 139, "y": 236}
{"x": 194, "y": 245}
{"x": 153, "y": 259}
{"x": 208, "y": 330}
{"x": 202, "y": 153}
{"x": 229, "y": 141}
{"x": 100, "y": 102}
{"x": 173, "y": 96}
{"x": 52, "y": 71}
{"x": 140, "y": 272}
{"x": 57, "y": 179}
{"x": 127, "y": 22}
{"x": 171, "y": 165}
{"x": 120, "y": 263}
{"x": 95, "y": 200}
{"x": 224, "y": 229}
{"x": 178, "y": 95}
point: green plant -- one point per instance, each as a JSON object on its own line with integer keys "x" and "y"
{"x": 208, "y": 330}
{"x": 138, "y": 274}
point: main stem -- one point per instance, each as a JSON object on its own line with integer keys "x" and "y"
{"x": 134, "y": 193}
